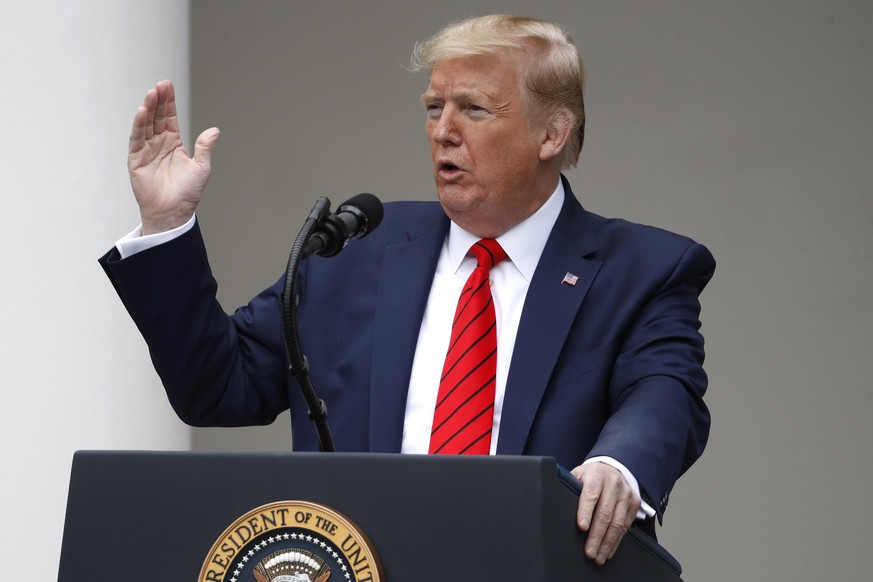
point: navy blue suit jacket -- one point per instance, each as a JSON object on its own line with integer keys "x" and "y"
{"x": 609, "y": 366}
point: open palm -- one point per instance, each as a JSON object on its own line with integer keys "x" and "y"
{"x": 166, "y": 181}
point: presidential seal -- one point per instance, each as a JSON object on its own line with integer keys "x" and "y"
{"x": 292, "y": 541}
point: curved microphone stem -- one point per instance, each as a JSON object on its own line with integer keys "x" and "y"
{"x": 297, "y": 361}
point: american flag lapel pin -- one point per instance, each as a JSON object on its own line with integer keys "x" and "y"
{"x": 570, "y": 279}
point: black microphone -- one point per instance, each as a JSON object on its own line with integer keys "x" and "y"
{"x": 354, "y": 218}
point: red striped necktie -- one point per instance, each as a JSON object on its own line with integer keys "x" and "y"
{"x": 464, "y": 410}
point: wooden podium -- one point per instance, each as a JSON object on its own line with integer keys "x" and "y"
{"x": 155, "y": 516}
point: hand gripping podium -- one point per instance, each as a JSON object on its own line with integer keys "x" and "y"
{"x": 168, "y": 517}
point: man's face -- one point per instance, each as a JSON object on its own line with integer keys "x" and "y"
{"x": 485, "y": 147}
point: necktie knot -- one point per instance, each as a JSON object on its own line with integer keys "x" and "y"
{"x": 488, "y": 253}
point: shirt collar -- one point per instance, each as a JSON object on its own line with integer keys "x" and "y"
{"x": 523, "y": 243}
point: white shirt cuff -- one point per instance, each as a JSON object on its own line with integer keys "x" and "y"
{"x": 134, "y": 242}
{"x": 645, "y": 511}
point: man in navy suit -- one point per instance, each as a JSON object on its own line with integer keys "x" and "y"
{"x": 599, "y": 357}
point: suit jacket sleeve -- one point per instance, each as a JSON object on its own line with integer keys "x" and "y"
{"x": 218, "y": 370}
{"x": 658, "y": 423}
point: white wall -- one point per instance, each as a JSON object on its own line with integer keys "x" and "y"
{"x": 74, "y": 373}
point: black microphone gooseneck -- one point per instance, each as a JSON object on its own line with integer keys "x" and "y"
{"x": 297, "y": 363}
{"x": 325, "y": 234}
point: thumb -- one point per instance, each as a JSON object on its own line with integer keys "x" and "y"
{"x": 204, "y": 144}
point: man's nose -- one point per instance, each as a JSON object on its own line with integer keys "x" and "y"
{"x": 446, "y": 130}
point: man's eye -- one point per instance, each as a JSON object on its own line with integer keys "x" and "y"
{"x": 434, "y": 109}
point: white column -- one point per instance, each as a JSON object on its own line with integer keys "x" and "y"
{"x": 74, "y": 373}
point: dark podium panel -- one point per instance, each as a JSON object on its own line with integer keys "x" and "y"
{"x": 150, "y": 516}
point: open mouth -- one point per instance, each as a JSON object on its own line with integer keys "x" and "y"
{"x": 448, "y": 167}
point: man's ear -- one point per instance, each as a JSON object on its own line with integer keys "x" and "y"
{"x": 556, "y": 134}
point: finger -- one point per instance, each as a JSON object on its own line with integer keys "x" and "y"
{"x": 204, "y": 145}
{"x": 600, "y": 523}
{"x": 150, "y": 102}
{"x": 591, "y": 490}
{"x": 137, "y": 131}
{"x": 618, "y": 527}
{"x": 172, "y": 119}
{"x": 161, "y": 108}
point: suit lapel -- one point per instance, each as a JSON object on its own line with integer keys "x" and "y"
{"x": 404, "y": 285}
{"x": 550, "y": 309}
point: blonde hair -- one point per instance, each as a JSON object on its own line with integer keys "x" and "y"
{"x": 554, "y": 79}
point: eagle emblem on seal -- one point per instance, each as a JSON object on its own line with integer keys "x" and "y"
{"x": 294, "y": 565}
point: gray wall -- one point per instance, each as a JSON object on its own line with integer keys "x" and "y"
{"x": 745, "y": 125}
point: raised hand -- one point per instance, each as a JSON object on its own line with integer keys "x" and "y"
{"x": 166, "y": 181}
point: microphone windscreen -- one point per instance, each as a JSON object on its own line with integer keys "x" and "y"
{"x": 368, "y": 205}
